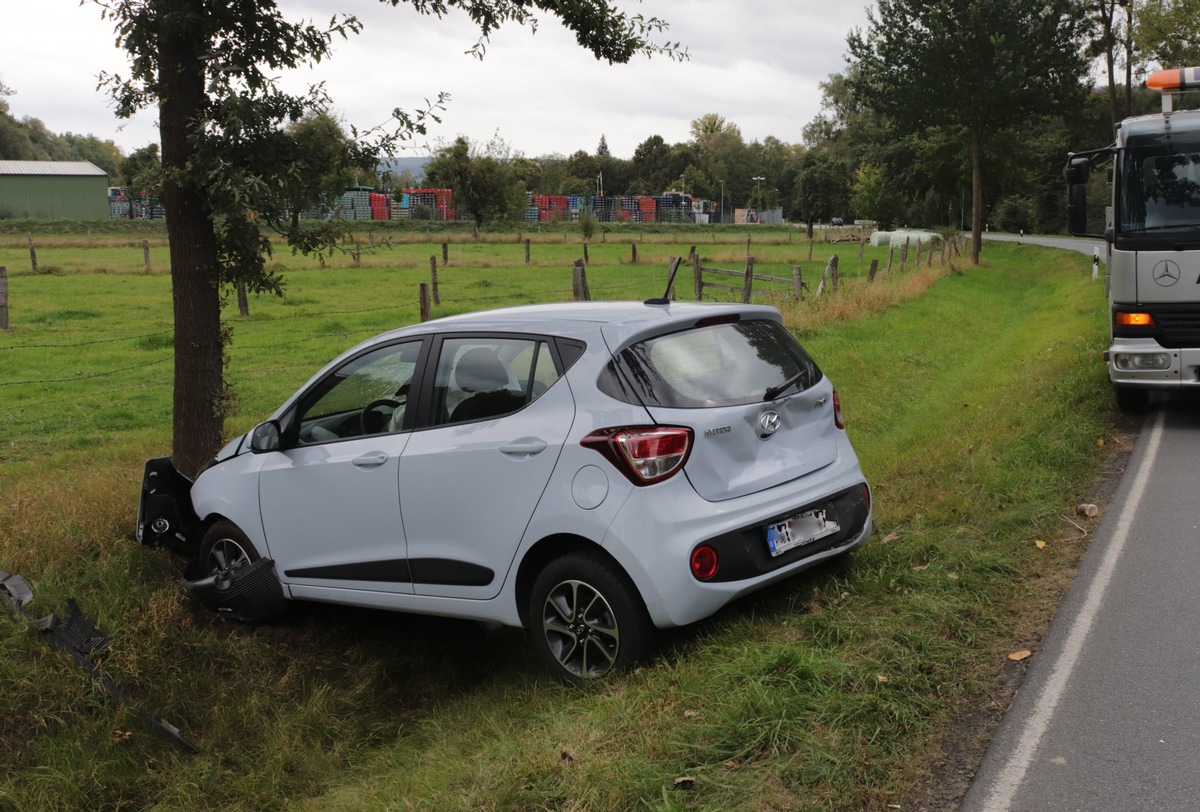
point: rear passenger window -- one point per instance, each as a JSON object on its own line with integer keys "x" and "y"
{"x": 717, "y": 365}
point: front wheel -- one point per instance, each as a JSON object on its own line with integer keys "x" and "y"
{"x": 225, "y": 548}
{"x": 1132, "y": 400}
{"x": 587, "y": 619}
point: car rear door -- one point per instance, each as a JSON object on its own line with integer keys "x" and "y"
{"x": 470, "y": 478}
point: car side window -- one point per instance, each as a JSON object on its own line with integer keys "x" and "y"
{"x": 367, "y": 395}
{"x": 481, "y": 378}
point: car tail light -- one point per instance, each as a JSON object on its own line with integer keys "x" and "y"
{"x": 644, "y": 454}
{"x": 704, "y": 562}
{"x": 837, "y": 411}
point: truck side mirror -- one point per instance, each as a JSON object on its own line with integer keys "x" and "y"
{"x": 1078, "y": 170}
{"x": 1077, "y": 218}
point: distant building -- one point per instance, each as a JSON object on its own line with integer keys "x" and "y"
{"x": 58, "y": 190}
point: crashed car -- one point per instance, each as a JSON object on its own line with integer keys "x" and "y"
{"x": 589, "y": 471}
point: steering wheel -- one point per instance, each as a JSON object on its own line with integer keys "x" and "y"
{"x": 373, "y": 421}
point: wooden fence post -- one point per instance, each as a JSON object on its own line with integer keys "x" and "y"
{"x": 424, "y": 299}
{"x": 243, "y": 299}
{"x": 862, "y": 244}
{"x": 586, "y": 258}
{"x": 526, "y": 250}
{"x": 747, "y": 245}
{"x": 891, "y": 253}
{"x": 904, "y": 253}
{"x": 833, "y": 262}
{"x": 579, "y": 283}
{"x": 3, "y": 298}
{"x": 874, "y": 268}
{"x": 433, "y": 278}
{"x": 445, "y": 259}
{"x": 146, "y": 254}
{"x": 633, "y": 252}
{"x": 798, "y": 283}
{"x": 830, "y": 267}
{"x": 749, "y": 284}
{"x": 810, "y": 248}
{"x": 929, "y": 261}
{"x": 699, "y": 277}
{"x": 32, "y": 254}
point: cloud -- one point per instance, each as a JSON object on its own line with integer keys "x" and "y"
{"x": 757, "y": 64}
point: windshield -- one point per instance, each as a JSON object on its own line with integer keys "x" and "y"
{"x": 1160, "y": 184}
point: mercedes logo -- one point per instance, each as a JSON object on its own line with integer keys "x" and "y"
{"x": 768, "y": 423}
{"x": 1166, "y": 273}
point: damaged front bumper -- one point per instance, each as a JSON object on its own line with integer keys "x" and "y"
{"x": 166, "y": 517}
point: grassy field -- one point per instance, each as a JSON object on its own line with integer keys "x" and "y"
{"x": 973, "y": 398}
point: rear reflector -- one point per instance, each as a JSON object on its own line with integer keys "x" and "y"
{"x": 704, "y": 562}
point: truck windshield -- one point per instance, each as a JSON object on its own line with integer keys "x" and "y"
{"x": 1160, "y": 184}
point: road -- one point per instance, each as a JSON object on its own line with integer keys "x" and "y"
{"x": 1108, "y": 716}
{"x": 1082, "y": 244}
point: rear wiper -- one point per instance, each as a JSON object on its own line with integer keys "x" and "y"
{"x": 775, "y": 391}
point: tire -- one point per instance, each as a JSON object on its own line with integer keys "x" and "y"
{"x": 587, "y": 619}
{"x": 225, "y": 547}
{"x": 1133, "y": 401}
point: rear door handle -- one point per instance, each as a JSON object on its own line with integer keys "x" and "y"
{"x": 372, "y": 459}
{"x": 525, "y": 447}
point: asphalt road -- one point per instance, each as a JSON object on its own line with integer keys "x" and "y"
{"x": 1082, "y": 244}
{"x": 1108, "y": 716}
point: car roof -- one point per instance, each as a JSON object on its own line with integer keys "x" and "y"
{"x": 619, "y": 320}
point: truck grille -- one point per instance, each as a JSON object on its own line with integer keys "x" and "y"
{"x": 1178, "y": 327}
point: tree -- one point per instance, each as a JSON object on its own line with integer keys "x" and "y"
{"x": 486, "y": 186}
{"x": 209, "y": 67}
{"x": 973, "y": 67}
{"x": 322, "y": 162}
{"x": 822, "y": 187}
{"x": 141, "y": 171}
{"x": 1168, "y": 32}
{"x": 873, "y": 199}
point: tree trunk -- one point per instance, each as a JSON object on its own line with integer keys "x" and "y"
{"x": 198, "y": 398}
{"x": 976, "y": 196}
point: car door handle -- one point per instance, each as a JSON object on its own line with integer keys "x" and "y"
{"x": 371, "y": 459}
{"x": 525, "y": 447}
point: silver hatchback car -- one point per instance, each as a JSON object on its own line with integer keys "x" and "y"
{"x": 589, "y": 471}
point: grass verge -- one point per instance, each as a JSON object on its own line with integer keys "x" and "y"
{"x": 976, "y": 406}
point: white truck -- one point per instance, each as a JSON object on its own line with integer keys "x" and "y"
{"x": 1153, "y": 235}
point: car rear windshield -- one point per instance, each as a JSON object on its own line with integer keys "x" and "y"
{"x": 716, "y": 365}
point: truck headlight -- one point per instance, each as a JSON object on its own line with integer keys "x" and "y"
{"x": 1135, "y": 361}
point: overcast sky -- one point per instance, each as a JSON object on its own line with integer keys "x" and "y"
{"x": 756, "y": 63}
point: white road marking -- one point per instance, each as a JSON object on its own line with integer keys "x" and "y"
{"x": 1005, "y": 787}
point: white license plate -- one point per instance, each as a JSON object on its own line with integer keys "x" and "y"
{"x": 799, "y": 530}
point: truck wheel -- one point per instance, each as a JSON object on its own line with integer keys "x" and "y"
{"x": 1132, "y": 400}
{"x": 587, "y": 619}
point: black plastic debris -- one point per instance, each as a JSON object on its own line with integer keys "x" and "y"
{"x": 77, "y": 637}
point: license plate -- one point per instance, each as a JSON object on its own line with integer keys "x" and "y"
{"x": 799, "y": 530}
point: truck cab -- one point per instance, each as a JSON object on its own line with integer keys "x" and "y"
{"x": 1153, "y": 235}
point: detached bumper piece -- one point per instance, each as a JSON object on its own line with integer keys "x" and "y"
{"x": 78, "y": 638}
{"x": 165, "y": 514}
{"x": 251, "y": 594}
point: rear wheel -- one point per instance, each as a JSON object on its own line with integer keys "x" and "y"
{"x": 1132, "y": 400}
{"x": 224, "y": 548}
{"x": 587, "y": 619}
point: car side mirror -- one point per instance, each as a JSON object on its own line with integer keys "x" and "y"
{"x": 266, "y": 437}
